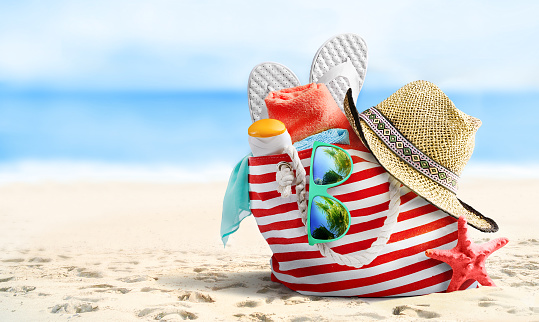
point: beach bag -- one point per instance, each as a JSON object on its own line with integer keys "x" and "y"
{"x": 397, "y": 267}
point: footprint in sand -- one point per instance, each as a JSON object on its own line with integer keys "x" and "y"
{"x": 13, "y": 260}
{"x": 83, "y": 272}
{"x": 199, "y": 269}
{"x": 18, "y": 289}
{"x": 414, "y": 311}
{"x": 74, "y": 308}
{"x": 273, "y": 288}
{"x": 134, "y": 262}
{"x": 152, "y": 289}
{"x": 121, "y": 290}
{"x": 486, "y": 302}
{"x": 256, "y": 316}
{"x": 529, "y": 241}
{"x": 524, "y": 283}
{"x": 99, "y": 286}
{"x": 108, "y": 288}
{"x": 264, "y": 290}
{"x": 137, "y": 278}
{"x": 249, "y": 303}
{"x": 39, "y": 260}
{"x": 524, "y": 267}
{"x": 508, "y": 272}
{"x": 304, "y": 319}
{"x": 196, "y": 297}
{"x": 6, "y": 279}
{"x": 211, "y": 277}
{"x": 294, "y": 300}
{"x": 234, "y": 285}
{"x": 167, "y": 314}
{"x": 176, "y": 317}
{"x": 146, "y": 311}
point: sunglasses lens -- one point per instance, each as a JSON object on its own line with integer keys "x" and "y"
{"x": 330, "y": 165}
{"x": 329, "y": 219}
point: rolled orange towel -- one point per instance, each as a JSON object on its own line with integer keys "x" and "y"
{"x": 307, "y": 110}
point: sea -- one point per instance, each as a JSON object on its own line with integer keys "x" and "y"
{"x": 199, "y": 136}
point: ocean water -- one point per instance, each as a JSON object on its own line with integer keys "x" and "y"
{"x": 192, "y": 136}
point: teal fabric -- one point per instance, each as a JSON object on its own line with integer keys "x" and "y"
{"x": 236, "y": 201}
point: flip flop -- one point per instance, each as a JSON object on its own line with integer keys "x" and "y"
{"x": 341, "y": 63}
{"x": 264, "y": 78}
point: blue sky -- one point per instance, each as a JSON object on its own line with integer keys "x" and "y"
{"x": 212, "y": 45}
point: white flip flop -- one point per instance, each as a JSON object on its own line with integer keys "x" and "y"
{"x": 341, "y": 63}
{"x": 264, "y": 78}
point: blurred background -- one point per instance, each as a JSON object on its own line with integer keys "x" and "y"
{"x": 157, "y": 90}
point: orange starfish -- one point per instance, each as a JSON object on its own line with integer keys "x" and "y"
{"x": 467, "y": 259}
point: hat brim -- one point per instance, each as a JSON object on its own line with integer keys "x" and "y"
{"x": 433, "y": 192}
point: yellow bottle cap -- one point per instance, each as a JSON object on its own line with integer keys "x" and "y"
{"x": 266, "y": 128}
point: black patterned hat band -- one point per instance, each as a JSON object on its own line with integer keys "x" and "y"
{"x": 409, "y": 153}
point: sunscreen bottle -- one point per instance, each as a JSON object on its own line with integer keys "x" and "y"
{"x": 267, "y": 137}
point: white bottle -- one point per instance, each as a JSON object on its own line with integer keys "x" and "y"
{"x": 268, "y": 137}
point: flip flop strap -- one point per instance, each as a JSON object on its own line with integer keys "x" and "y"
{"x": 346, "y": 70}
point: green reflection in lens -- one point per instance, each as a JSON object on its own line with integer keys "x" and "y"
{"x": 329, "y": 219}
{"x": 330, "y": 165}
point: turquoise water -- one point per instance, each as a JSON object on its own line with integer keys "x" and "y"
{"x": 175, "y": 128}
{"x": 193, "y": 129}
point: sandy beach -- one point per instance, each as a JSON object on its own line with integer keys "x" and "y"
{"x": 148, "y": 251}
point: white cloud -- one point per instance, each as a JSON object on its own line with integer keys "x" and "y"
{"x": 214, "y": 44}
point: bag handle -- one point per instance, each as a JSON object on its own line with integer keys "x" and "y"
{"x": 365, "y": 256}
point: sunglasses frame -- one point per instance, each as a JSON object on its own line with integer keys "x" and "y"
{"x": 321, "y": 190}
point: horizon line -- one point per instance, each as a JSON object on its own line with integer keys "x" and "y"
{"x": 200, "y": 91}
{"x": 69, "y": 171}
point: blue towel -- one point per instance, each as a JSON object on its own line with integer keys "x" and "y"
{"x": 236, "y": 201}
{"x": 331, "y": 136}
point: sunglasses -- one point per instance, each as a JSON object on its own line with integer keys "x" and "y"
{"x": 328, "y": 218}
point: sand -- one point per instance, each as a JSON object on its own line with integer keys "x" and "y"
{"x": 147, "y": 251}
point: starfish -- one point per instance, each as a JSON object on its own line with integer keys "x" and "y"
{"x": 467, "y": 259}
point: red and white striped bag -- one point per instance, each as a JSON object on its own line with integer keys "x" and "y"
{"x": 399, "y": 269}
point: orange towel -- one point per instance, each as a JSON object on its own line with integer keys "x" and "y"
{"x": 307, "y": 110}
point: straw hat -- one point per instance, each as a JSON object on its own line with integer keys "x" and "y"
{"x": 424, "y": 141}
